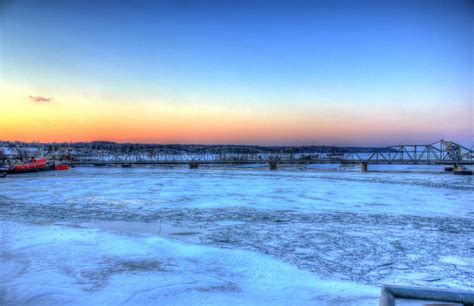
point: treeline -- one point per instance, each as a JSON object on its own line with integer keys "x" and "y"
{"x": 131, "y": 147}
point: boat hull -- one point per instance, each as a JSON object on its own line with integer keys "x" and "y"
{"x": 28, "y": 170}
{"x": 61, "y": 167}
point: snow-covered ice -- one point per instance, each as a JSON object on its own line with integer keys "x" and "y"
{"x": 55, "y": 264}
{"x": 231, "y": 236}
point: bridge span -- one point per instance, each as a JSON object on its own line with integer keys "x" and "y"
{"x": 443, "y": 152}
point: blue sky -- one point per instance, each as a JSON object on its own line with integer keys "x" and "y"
{"x": 392, "y": 70}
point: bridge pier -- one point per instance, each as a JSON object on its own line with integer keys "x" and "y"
{"x": 272, "y": 165}
{"x": 363, "y": 167}
{"x": 193, "y": 166}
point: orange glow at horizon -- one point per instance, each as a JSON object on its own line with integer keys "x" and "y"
{"x": 73, "y": 119}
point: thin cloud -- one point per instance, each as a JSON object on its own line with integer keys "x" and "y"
{"x": 40, "y": 99}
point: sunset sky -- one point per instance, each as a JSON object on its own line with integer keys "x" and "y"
{"x": 253, "y": 72}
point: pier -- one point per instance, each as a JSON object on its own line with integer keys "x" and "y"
{"x": 391, "y": 293}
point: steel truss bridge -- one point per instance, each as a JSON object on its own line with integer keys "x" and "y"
{"x": 438, "y": 153}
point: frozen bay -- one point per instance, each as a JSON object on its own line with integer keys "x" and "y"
{"x": 222, "y": 236}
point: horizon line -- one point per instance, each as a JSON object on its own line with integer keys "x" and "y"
{"x": 228, "y": 144}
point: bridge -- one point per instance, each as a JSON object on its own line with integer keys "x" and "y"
{"x": 439, "y": 153}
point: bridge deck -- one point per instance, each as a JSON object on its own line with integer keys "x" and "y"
{"x": 296, "y": 161}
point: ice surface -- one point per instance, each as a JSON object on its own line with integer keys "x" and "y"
{"x": 220, "y": 236}
{"x": 153, "y": 189}
{"x": 46, "y": 264}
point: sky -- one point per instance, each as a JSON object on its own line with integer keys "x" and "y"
{"x": 245, "y": 72}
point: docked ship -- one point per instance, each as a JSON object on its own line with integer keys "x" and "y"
{"x": 35, "y": 165}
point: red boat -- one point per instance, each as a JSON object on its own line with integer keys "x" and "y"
{"x": 35, "y": 165}
{"x": 61, "y": 167}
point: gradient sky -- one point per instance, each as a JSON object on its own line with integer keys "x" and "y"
{"x": 254, "y": 72}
